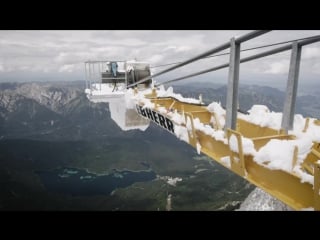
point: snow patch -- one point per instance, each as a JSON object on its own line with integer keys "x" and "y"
{"x": 305, "y": 177}
{"x": 170, "y": 180}
{"x": 173, "y": 181}
{"x": 198, "y": 148}
{"x": 169, "y": 93}
{"x": 216, "y": 108}
{"x": 261, "y": 115}
{"x": 226, "y": 161}
{"x": 176, "y": 117}
{"x": 208, "y": 130}
{"x": 313, "y": 131}
{"x": 247, "y": 145}
{"x": 233, "y": 143}
{"x": 181, "y": 132}
{"x": 148, "y": 104}
{"x": 278, "y": 154}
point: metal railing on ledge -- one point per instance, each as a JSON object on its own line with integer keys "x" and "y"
{"x": 234, "y": 68}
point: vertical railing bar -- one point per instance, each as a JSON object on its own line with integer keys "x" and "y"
{"x": 292, "y": 87}
{"x": 233, "y": 84}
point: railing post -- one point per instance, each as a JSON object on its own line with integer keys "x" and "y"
{"x": 99, "y": 77}
{"x": 86, "y": 74}
{"x": 89, "y": 70}
{"x": 125, "y": 73}
{"x": 233, "y": 83}
{"x": 292, "y": 87}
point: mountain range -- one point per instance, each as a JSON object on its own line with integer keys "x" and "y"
{"x": 49, "y": 126}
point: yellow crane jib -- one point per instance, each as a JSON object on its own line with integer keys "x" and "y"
{"x": 290, "y": 171}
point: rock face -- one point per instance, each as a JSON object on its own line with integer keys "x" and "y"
{"x": 47, "y": 95}
{"x": 51, "y": 111}
{"x": 259, "y": 200}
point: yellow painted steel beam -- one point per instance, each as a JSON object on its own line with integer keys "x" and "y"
{"x": 283, "y": 185}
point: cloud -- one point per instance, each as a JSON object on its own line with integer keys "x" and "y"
{"x": 310, "y": 52}
{"x": 177, "y": 49}
{"x": 24, "y": 68}
{"x": 279, "y": 67}
{"x": 313, "y": 67}
{"x": 66, "y": 68}
{"x": 66, "y": 51}
{"x": 155, "y": 59}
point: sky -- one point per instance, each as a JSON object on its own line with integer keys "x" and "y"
{"x": 60, "y": 55}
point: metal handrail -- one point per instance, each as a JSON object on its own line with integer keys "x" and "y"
{"x": 246, "y": 59}
{"x": 224, "y": 46}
